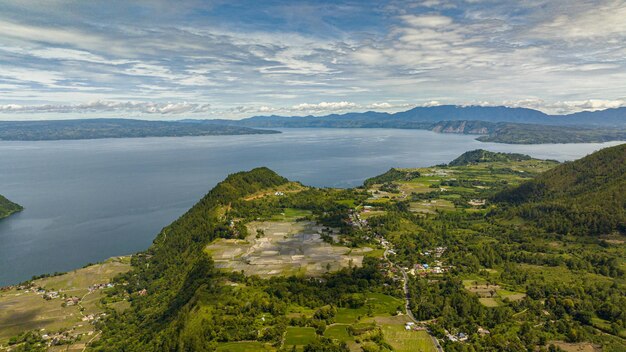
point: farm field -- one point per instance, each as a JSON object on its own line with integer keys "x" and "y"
{"x": 26, "y": 309}
{"x": 283, "y": 248}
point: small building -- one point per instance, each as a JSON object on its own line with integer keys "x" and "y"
{"x": 72, "y": 301}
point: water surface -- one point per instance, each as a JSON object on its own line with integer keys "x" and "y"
{"x": 89, "y": 200}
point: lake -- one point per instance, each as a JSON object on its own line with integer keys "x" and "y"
{"x": 86, "y": 201}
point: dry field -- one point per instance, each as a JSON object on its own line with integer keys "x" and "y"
{"x": 284, "y": 248}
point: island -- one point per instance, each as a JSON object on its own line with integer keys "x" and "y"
{"x": 7, "y": 207}
{"x": 491, "y": 252}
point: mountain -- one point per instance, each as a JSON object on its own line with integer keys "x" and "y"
{"x": 585, "y": 197}
{"x": 7, "y": 207}
{"x": 484, "y": 156}
{"x": 175, "y": 269}
{"x": 113, "y": 128}
{"x": 425, "y": 117}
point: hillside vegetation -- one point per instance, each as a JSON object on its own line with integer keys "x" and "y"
{"x": 587, "y": 196}
{"x": 485, "y": 156}
{"x": 490, "y": 255}
{"x": 7, "y": 207}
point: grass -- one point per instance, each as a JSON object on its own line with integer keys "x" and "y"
{"x": 291, "y": 214}
{"x": 338, "y": 332}
{"x": 403, "y": 340}
{"x": 243, "y": 346}
{"x": 299, "y": 336}
{"x": 377, "y": 304}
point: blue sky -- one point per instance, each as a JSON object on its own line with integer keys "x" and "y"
{"x": 157, "y": 59}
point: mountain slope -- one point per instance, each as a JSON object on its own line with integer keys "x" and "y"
{"x": 587, "y": 196}
{"x": 175, "y": 266}
{"x": 7, "y": 207}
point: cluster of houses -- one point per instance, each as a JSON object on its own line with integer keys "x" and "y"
{"x": 72, "y": 301}
{"x": 93, "y": 317}
{"x": 437, "y": 266}
{"x": 59, "y": 338}
{"x": 96, "y": 287}
{"x": 48, "y": 295}
{"x": 462, "y": 337}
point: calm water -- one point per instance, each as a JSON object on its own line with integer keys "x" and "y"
{"x": 89, "y": 200}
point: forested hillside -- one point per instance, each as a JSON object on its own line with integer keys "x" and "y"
{"x": 175, "y": 267}
{"x": 7, "y": 207}
{"x": 485, "y": 156}
{"x": 587, "y": 196}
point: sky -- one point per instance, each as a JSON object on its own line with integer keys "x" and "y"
{"x": 168, "y": 60}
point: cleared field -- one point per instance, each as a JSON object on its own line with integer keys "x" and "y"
{"x": 244, "y": 346}
{"x": 23, "y": 310}
{"x": 299, "y": 336}
{"x": 283, "y": 248}
{"x": 403, "y": 340}
{"x": 430, "y": 206}
{"x": 377, "y": 304}
{"x": 491, "y": 295}
{"x": 338, "y": 332}
{"x": 576, "y": 347}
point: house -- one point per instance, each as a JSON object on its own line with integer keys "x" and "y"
{"x": 72, "y": 301}
{"x": 278, "y": 193}
{"x": 142, "y": 292}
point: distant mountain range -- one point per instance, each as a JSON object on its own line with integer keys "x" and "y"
{"x": 422, "y": 117}
{"x": 495, "y": 124}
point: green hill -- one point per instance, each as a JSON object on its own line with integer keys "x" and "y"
{"x": 485, "y": 156}
{"x": 7, "y": 207}
{"x": 175, "y": 267}
{"x": 587, "y": 196}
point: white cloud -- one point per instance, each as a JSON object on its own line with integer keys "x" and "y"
{"x": 110, "y": 106}
{"x": 324, "y": 106}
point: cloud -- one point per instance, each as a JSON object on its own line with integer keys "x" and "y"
{"x": 110, "y": 106}
{"x": 295, "y": 56}
{"x": 324, "y": 106}
{"x": 429, "y": 21}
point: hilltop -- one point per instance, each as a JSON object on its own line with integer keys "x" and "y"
{"x": 485, "y": 156}
{"x": 7, "y": 207}
{"x": 586, "y": 196}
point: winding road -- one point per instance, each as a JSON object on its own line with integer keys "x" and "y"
{"x": 407, "y": 298}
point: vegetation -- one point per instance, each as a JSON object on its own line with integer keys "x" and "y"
{"x": 484, "y": 156}
{"x": 500, "y": 253}
{"x": 537, "y": 134}
{"x": 112, "y": 128}
{"x": 585, "y": 197}
{"x": 7, "y": 207}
